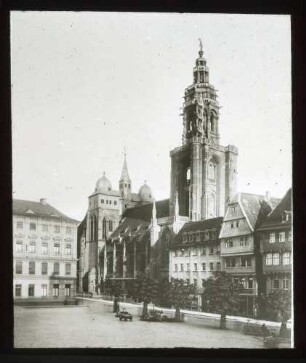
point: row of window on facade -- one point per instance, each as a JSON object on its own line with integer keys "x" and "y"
{"x": 44, "y": 227}
{"x": 44, "y": 268}
{"x": 109, "y": 201}
{"x": 244, "y": 241}
{"x": 195, "y": 267}
{"x": 280, "y": 283}
{"x": 276, "y": 259}
{"x": 94, "y": 227}
{"x": 249, "y": 283}
{"x": 199, "y": 236}
{"x": 194, "y": 252}
{"x": 44, "y": 248}
{"x": 281, "y": 237}
{"x": 242, "y": 261}
{"x": 44, "y": 290}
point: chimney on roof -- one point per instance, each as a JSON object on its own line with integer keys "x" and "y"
{"x": 43, "y": 201}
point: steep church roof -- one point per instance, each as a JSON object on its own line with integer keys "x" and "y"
{"x": 144, "y": 212}
{"x": 38, "y": 209}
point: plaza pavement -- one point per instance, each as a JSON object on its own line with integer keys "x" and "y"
{"x": 92, "y": 324}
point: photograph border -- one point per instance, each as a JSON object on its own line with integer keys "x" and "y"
{"x": 297, "y": 11}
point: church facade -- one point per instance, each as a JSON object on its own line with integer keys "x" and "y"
{"x": 125, "y": 233}
{"x": 105, "y": 209}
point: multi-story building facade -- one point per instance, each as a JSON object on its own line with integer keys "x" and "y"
{"x": 203, "y": 172}
{"x": 244, "y": 213}
{"x": 195, "y": 253}
{"x": 45, "y": 251}
{"x": 274, "y": 236}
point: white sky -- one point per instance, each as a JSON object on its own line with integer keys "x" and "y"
{"x": 85, "y": 85}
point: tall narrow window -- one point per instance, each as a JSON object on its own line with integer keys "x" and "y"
{"x": 32, "y": 226}
{"x": 67, "y": 289}
{"x": 57, "y": 229}
{"x": 56, "y": 248}
{"x": 44, "y": 268}
{"x": 211, "y": 170}
{"x": 272, "y": 238}
{"x": 104, "y": 228}
{"x": 282, "y": 237}
{"x": 19, "y": 246}
{"x": 18, "y": 268}
{"x": 31, "y": 290}
{"x": 32, "y": 267}
{"x": 188, "y": 176}
{"x": 68, "y": 230}
{"x": 68, "y": 249}
{"x": 17, "y": 290}
{"x": 269, "y": 259}
{"x": 68, "y": 269}
{"x": 276, "y": 259}
{"x": 44, "y": 290}
{"x": 91, "y": 228}
{"x": 44, "y": 248}
{"x": 56, "y": 290}
{"x": 44, "y": 228}
{"x": 56, "y": 268}
{"x": 110, "y": 223}
{"x": 32, "y": 247}
{"x": 286, "y": 258}
{"x": 19, "y": 226}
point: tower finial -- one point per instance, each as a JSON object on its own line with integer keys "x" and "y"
{"x": 124, "y": 151}
{"x": 201, "y": 48}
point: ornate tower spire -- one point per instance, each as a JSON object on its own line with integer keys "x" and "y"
{"x": 201, "y": 108}
{"x": 125, "y": 180}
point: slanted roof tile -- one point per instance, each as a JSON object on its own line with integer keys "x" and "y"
{"x": 22, "y": 207}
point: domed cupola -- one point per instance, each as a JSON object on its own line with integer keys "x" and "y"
{"x": 103, "y": 185}
{"x": 145, "y": 193}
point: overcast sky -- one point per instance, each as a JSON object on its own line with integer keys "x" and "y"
{"x": 86, "y": 85}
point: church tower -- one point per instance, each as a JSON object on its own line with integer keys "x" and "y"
{"x": 125, "y": 182}
{"x": 203, "y": 172}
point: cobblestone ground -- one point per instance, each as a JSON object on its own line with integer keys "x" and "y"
{"x": 92, "y": 324}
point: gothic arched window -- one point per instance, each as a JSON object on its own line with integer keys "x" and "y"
{"x": 110, "y": 226}
{"x": 91, "y": 228}
{"x": 95, "y": 229}
{"x": 188, "y": 176}
{"x": 104, "y": 228}
{"x": 211, "y": 206}
{"x": 211, "y": 170}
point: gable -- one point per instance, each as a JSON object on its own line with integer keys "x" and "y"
{"x": 235, "y": 222}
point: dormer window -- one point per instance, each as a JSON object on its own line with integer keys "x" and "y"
{"x": 286, "y": 215}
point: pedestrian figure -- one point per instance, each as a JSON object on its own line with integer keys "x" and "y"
{"x": 283, "y": 329}
{"x": 265, "y": 331}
